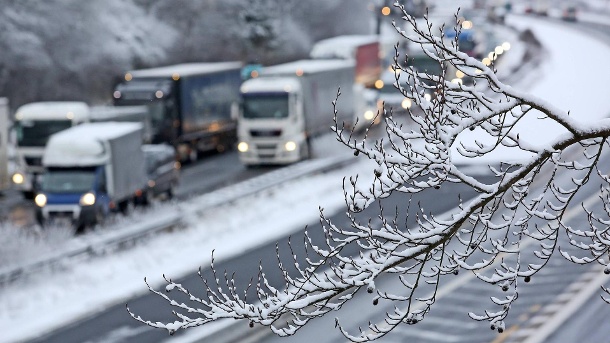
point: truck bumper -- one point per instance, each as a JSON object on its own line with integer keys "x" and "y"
{"x": 272, "y": 152}
{"x": 77, "y": 214}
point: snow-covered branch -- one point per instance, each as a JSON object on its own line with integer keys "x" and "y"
{"x": 504, "y": 235}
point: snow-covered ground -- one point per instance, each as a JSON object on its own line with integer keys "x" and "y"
{"x": 35, "y": 305}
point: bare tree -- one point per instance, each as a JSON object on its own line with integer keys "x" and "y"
{"x": 519, "y": 216}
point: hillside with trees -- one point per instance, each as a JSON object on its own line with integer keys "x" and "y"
{"x": 74, "y": 50}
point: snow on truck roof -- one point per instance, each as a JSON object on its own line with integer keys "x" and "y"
{"x": 186, "y": 69}
{"x": 81, "y": 145}
{"x": 53, "y": 110}
{"x": 306, "y": 67}
{"x": 271, "y": 84}
{"x": 341, "y": 46}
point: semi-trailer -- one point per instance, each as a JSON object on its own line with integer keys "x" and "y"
{"x": 290, "y": 103}
{"x": 193, "y": 106}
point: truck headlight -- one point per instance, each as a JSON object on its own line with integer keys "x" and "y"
{"x": 290, "y": 146}
{"x": 18, "y": 178}
{"x": 87, "y": 199}
{"x": 40, "y": 200}
{"x": 243, "y": 147}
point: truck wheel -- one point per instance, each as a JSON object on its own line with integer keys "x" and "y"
{"x": 150, "y": 197}
{"x": 99, "y": 216}
{"x": 193, "y": 155}
{"x": 79, "y": 229}
{"x": 171, "y": 192}
{"x": 306, "y": 150}
{"x": 125, "y": 207}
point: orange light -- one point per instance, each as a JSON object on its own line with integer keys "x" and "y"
{"x": 386, "y": 10}
{"x": 299, "y": 72}
{"x": 253, "y": 74}
{"x": 378, "y": 84}
{"x": 128, "y": 77}
{"x": 175, "y": 76}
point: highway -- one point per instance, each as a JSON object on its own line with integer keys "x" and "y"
{"x": 448, "y": 322}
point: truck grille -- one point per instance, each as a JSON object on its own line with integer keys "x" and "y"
{"x": 266, "y": 133}
{"x": 33, "y": 161}
{"x": 266, "y": 146}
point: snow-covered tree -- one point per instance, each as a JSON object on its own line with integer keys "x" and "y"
{"x": 518, "y": 216}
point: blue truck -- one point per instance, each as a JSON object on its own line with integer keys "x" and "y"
{"x": 193, "y": 106}
{"x": 91, "y": 170}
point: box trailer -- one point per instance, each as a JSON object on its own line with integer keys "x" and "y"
{"x": 364, "y": 50}
{"x": 193, "y": 106}
{"x": 5, "y": 177}
{"x": 91, "y": 170}
{"x": 290, "y": 103}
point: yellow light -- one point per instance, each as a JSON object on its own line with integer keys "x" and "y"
{"x": 299, "y": 72}
{"x": 478, "y": 71}
{"x": 459, "y": 74}
{"x": 159, "y": 94}
{"x": 369, "y": 115}
{"x": 175, "y": 76}
{"x": 40, "y": 200}
{"x": 499, "y": 50}
{"x": 290, "y": 146}
{"x": 87, "y": 199}
{"x": 458, "y": 81}
{"x": 243, "y": 147}
{"x": 378, "y": 84}
{"x": 18, "y": 178}
{"x": 492, "y": 56}
{"x": 506, "y": 46}
{"x": 406, "y": 103}
{"x": 128, "y": 77}
{"x": 486, "y": 61}
{"x": 386, "y": 10}
{"x": 467, "y": 25}
{"x": 116, "y": 94}
{"x": 19, "y": 116}
{"x": 70, "y": 115}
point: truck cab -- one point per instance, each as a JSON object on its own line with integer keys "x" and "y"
{"x": 76, "y": 194}
{"x": 34, "y": 124}
{"x": 89, "y": 171}
{"x": 271, "y": 126}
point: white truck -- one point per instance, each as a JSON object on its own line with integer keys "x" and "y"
{"x": 290, "y": 103}
{"x": 5, "y": 181}
{"x": 365, "y": 51}
{"x": 91, "y": 170}
{"x": 34, "y": 124}
{"x": 133, "y": 114}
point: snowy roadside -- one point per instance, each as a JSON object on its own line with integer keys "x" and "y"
{"x": 44, "y": 301}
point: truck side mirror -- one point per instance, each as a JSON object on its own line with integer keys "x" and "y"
{"x": 235, "y": 110}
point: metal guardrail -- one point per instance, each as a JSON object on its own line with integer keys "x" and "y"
{"x": 119, "y": 238}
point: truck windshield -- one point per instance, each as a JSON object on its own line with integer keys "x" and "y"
{"x": 256, "y": 106}
{"x": 37, "y": 132}
{"x": 72, "y": 180}
{"x": 425, "y": 64}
